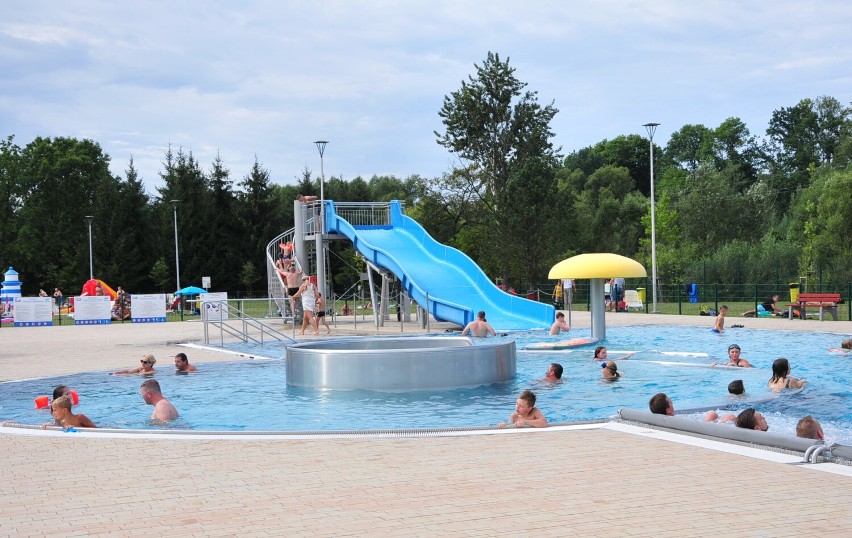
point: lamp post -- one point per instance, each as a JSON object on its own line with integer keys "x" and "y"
{"x": 652, "y": 127}
{"x": 320, "y": 230}
{"x": 90, "y": 218}
{"x": 177, "y": 253}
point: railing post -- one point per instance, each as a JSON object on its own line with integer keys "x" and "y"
{"x": 716, "y": 296}
{"x": 680, "y": 299}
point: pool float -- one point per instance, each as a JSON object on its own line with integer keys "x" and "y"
{"x": 562, "y": 344}
{"x": 43, "y": 402}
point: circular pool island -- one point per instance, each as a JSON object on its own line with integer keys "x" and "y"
{"x": 400, "y": 363}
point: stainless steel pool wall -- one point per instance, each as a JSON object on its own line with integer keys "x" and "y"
{"x": 400, "y": 363}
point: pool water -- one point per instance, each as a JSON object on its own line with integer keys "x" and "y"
{"x": 252, "y": 395}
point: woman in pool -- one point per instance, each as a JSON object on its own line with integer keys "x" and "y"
{"x": 601, "y": 356}
{"x": 609, "y": 371}
{"x": 146, "y": 367}
{"x": 780, "y": 371}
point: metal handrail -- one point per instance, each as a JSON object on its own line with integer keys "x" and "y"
{"x": 246, "y": 320}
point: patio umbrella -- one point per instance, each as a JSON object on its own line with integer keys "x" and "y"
{"x": 191, "y": 290}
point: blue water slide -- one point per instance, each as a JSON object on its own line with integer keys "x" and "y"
{"x": 441, "y": 278}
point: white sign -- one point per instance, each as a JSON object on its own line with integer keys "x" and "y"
{"x": 205, "y": 282}
{"x": 148, "y": 308}
{"x": 211, "y": 307}
{"x": 92, "y": 310}
{"x": 33, "y": 311}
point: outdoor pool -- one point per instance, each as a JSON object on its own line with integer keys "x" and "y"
{"x": 252, "y": 395}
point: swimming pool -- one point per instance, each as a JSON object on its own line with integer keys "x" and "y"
{"x": 252, "y": 395}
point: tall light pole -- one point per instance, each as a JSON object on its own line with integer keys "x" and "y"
{"x": 177, "y": 252}
{"x": 652, "y": 127}
{"x": 320, "y": 229}
{"x": 90, "y": 218}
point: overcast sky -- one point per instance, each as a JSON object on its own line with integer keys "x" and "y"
{"x": 266, "y": 79}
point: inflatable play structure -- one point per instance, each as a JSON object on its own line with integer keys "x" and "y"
{"x": 91, "y": 288}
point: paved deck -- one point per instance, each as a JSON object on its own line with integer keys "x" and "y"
{"x": 586, "y": 482}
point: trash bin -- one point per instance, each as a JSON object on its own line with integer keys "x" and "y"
{"x": 641, "y": 293}
{"x": 794, "y": 291}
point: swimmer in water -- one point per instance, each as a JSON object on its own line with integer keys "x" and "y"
{"x": 845, "y": 347}
{"x": 554, "y": 373}
{"x": 601, "y": 355}
{"x": 734, "y": 358}
{"x": 719, "y": 326}
{"x": 609, "y": 371}
{"x": 146, "y": 367}
{"x": 61, "y": 411}
{"x": 559, "y": 325}
{"x": 479, "y": 327}
{"x": 526, "y": 413}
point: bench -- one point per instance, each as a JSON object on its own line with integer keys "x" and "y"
{"x": 825, "y": 301}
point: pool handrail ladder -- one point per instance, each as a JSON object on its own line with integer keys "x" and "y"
{"x": 244, "y": 322}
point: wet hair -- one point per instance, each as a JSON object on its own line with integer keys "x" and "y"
{"x": 481, "y": 315}
{"x": 182, "y": 357}
{"x": 529, "y": 397}
{"x": 62, "y": 401}
{"x": 559, "y": 315}
{"x": 846, "y": 344}
{"x": 723, "y": 307}
{"x": 659, "y": 403}
{"x": 557, "y": 369}
{"x": 598, "y": 350}
{"x": 612, "y": 367}
{"x": 780, "y": 369}
{"x": 59, "y": 392}
{"x": 808, "y": 428}
{"x": 746, "y": 419}
{"x": 736, "y": 387}
{"x": 152, "y": 385}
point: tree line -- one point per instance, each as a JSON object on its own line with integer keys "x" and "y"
{"x": 731, "y": 206}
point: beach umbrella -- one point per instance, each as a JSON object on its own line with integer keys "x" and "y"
{"x": 191, "y": 290}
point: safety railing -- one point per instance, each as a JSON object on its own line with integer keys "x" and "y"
{"x": 364, "y": 213}
{"x": 233, "y": 321}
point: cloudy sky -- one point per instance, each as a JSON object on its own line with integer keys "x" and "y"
{"x": 267, "y": 78}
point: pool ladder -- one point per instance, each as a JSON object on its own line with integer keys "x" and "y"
{"x": 239, "y": 325}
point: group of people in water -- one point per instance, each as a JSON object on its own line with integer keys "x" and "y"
{"x": 150, "y": 391}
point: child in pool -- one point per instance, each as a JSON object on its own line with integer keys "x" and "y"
{"x": 526, "y": 413}
{"x": 719, "y": 327}
{"x": 61, "y": 411}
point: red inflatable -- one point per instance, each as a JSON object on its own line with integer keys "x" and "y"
{"x": 91, "y": 288}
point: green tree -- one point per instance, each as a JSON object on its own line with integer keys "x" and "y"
{"x": 62, "y": 181}
{"x": 160, "y": 275}
{"x": 495, "y": 126}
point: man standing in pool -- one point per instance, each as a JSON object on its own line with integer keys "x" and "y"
{"x": 164, "y": 411}
{"x": 526, "y": 413}
{"x": 479, "y": 327}
{"x": 734, "y": 358}
{"x": 182, "y": 364}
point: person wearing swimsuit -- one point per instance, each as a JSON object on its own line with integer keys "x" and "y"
{"x": 779, "y": 380}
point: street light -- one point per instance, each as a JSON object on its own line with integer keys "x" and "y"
{"x": 90, "y": 218}
{"x": 652, "y": 127}
{"x": 321, "y": 148}
{"x": 320, "y": 229}
{"x": 177, "y": 253}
